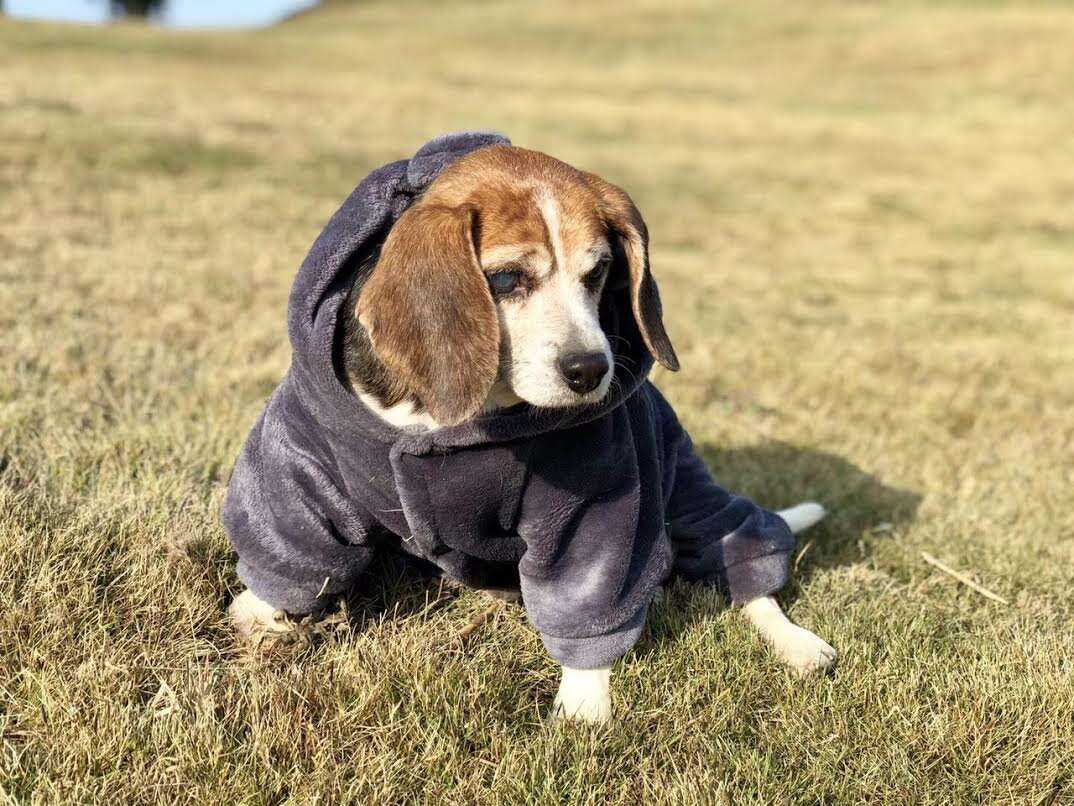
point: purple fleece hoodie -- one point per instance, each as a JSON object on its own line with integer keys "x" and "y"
{"x": 589, "y": 510}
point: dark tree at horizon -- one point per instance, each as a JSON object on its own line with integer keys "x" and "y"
{"x": 134, "y": 8}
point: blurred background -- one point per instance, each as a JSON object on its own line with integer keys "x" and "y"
{"x": 171, "y": 13}
{"x": 863, "y": 231}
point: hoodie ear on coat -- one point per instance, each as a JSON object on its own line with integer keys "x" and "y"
{"x": 429, "y": 312}
{"x": 621, "y": 216}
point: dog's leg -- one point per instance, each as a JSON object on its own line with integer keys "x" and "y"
{"x": 797, "y": 647}
{"x": 251, "y": 616}
{"x": 584, "y": 695}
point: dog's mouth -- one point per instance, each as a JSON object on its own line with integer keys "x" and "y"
{"x": 565, "y": 398}
{"x": 570, "y": 380}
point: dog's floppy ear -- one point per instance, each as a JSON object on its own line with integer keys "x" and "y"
{"x": 430, "y": 314}
{"x": 623, "y": 218}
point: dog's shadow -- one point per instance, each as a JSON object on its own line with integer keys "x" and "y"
{"x": 397, "y": 586}
{"x": 776, "y": 475}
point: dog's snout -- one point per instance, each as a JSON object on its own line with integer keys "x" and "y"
{"x": 583, "y": 371}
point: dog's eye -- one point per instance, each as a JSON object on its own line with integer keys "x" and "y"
{"x": 596, "y": 275}
{"x": 504, "y": 283}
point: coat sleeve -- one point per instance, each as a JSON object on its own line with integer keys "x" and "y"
{"x": 716, "y": 536}
{"x": 298, "y": 537}
{"x": 596, "y": 550}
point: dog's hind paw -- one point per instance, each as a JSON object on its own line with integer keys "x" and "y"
{"x": 796, "y": 646}
{"x": 802, "y": 651}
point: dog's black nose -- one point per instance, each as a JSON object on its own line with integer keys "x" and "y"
{"x": 583, "y": 371}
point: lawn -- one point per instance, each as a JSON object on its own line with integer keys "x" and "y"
{"x": 863, "y": 225}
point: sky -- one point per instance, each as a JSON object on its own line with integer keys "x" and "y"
{"x": 177, "y": 13}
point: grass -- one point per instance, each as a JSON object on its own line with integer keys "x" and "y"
{"x": 863, "y": 231}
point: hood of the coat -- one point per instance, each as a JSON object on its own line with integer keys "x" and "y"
{"x": 326, "y": 276}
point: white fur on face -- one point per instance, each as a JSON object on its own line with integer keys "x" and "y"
{"x": 557, "y": 318}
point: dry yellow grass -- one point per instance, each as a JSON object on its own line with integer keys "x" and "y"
{"x": 863, "y": 228}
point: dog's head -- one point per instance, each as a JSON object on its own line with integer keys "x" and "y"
{"x": 492, "y": 281}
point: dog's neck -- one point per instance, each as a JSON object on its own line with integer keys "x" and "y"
{"x": 401, "y": 415}
{"x": 407, "y": 414}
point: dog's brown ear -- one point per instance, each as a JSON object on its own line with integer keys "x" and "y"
{"x": 623, "y": 218}
{"x": 430, "y": 314}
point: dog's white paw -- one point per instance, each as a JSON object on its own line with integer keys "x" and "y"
{"x": 584, "y": 695}
{"x": 796, "y": 646}
{"x": 801, "y": 650}
{"x": 253, "y": 617}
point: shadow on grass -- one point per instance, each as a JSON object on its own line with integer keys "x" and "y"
{"x": 777, "y": 475}
{"x": 397, "y": 586}
{"x": 393, "y": 588}
{"x": 861, "y": 510}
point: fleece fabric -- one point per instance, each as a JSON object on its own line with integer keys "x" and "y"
{"x": 587, "y": 511}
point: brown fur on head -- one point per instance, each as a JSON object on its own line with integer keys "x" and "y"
{"x": 444, "y": 339}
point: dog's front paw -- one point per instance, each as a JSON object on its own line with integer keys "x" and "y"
{"x": 585, "y": 696}
{"x": 253, "y": 618}
{"x": 801, "y": 650}
{"x": 594, "y": 710}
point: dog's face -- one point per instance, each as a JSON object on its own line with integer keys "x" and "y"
{"x": 489, "y": 286}
{"x": 546, "y": 257}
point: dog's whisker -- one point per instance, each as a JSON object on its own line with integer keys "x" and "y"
{"x": 628, "y": 371}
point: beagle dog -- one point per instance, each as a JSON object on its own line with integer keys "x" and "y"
{"x": 506, "y": 256}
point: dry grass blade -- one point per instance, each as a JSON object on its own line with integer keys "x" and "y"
{"x": 478, "y": 621}
{"x": 965, "y": 580}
